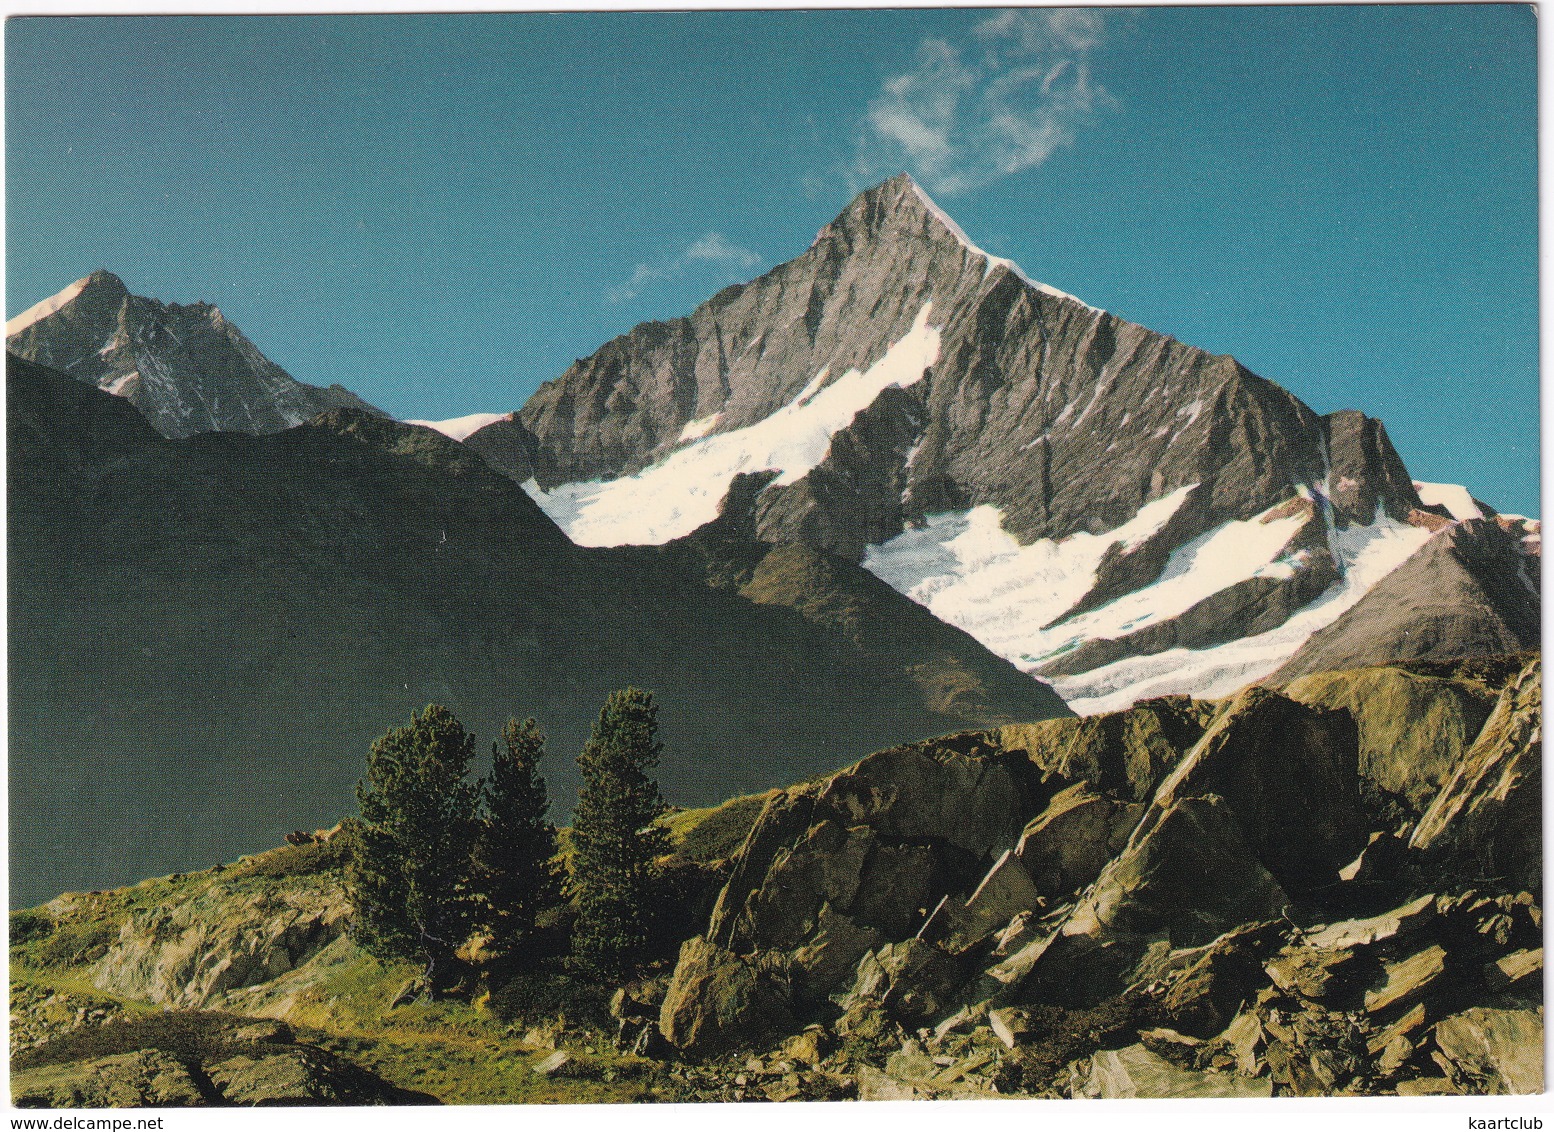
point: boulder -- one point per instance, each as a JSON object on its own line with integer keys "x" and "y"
{"x": 1493, "y": 1051}
{"x": 1268, "y": 757}
{"x": 148, "y": 1078}
{"x": 1136, "y": 1072}
{"x": 913, "y": 981}
{"x": 1066, "y": 846}
{"x": 1005, "y": 892}
{"x": 1209, "y": 993}
{"x": 718, "y": 1001}
{"x": 1407, "y": 982}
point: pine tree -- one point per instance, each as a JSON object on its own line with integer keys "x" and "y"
{"x": 614, "y": 835}
{"x": 517, "y": 843}
{"x": 412, "y": 849}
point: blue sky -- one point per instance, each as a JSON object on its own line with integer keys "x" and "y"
{"x": 441, "y": 212}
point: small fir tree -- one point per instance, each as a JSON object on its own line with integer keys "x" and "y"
{"x": 517, "y": 843}
{"x": 614, "y": 836}
{"x": 412, "y": 848}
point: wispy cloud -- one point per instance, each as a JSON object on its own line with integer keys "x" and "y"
{"x": 710, "y": 251}
{"x": 998, "y": 102}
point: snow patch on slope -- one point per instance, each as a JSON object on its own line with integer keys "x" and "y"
{"x": 457, "y": 428}
{"x": 39, "y": 311}
{"x": 993, "y": 261}
{"x": 967, "y": 570}
{"x": 671, "y": 498}
{"x": 1366, "y": 554}
{"x": 1454, "y": 497}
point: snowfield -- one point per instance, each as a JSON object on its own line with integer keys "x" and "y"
{"x": 968, "y": 571}
{"x": 681, "y": 492}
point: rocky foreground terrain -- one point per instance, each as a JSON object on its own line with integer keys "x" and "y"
{"x": 1324, "y": 888}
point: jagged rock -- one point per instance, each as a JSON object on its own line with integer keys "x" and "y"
{"x": 1209, "y": 993}
{"x": 1244, "y": 757}
{"x": 1407, "y": 981}
{"x": 1410, "y": 1023}
{"x": 1124, "y": 754}
{"x": 1065, "y": 847}
{"x": 1493, "y": 1051}
{"x": 1399, "y": 923}
{"x": 1517, "y": 972}
{"x": 1186, "y": 877}
{"x": 1244, "y": 1036}
{"x": 1312, "y": 972}
{"x": 1004, "y": 893}
{"x": 718, "y": 1001}
{"x": 149, "y": 1078}
{"x": 1489, "y": 817}
{"x": 810, "y": 1047}
{"x": 1136, "y": 1072}
{"x": 1010, "y": 1024}
{"x": 264, "y": 1032}
{"x": 912, "y": 979}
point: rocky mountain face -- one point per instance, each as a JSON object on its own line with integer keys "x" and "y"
{"x": 186, "y": 368}
{"x": 207, "y": 633}
{"x": 1098, "y": 503}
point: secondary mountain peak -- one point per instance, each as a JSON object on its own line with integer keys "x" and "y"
{"x": 187, "y": 368}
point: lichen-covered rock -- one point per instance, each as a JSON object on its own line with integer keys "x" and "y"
{"x": 718, "y": 1001}
{"x": 1493, "y": 1051}
{"x": 295, "y": 1076}
{"x": 1065, "y": 847}
{"x": 1136, "y": 1072}
{"x": 148, "y": 1078}
{"x": 1186, "y": 876}
{"x": 1269, "y": 758}
{"x": 1413, "y": 729}
{"x": 222, "y": 938}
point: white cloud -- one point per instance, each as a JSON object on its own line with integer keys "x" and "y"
{"x": 1000, "y": 102}
{"x": 713, "y": 250}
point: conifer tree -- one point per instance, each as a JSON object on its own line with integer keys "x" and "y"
{"x": 517, "y": 843}
{"x": 412, "y": 848}
{"x": 614, "y": 835}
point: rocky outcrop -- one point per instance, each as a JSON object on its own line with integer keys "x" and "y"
{"x": 145, "y": 1079}
{"x": 186, "y": 368}
{"x": 195, "y": 1060}
{"x": 220, "y": 940}
{"x": 1414, "y": 729}
{"x": 1488, "y": 820}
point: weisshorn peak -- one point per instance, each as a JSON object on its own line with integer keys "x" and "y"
{"x": 1102, "y": 505}
{"x": 186, "y": 368}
